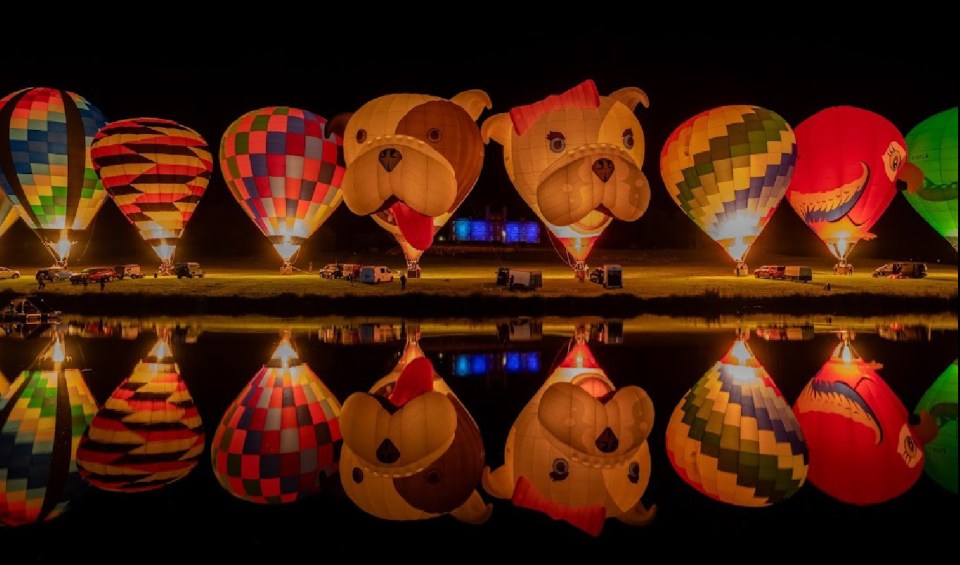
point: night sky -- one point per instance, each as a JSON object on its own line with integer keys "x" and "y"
{"x": 208, "y": 93}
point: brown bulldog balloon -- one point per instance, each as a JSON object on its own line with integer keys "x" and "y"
{"x": 578, "y": 450}
{"x": 411, "y": 160}
{"x": 411, "y": 451}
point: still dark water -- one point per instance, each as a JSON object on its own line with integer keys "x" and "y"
{"x": 494, "y": 368}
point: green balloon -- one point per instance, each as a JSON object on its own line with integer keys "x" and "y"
{"x": 940, "y": 401}
{"x": 932, "y": 146}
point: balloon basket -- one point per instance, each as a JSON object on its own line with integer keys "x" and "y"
{"x": 741, "y": 270}
{"x": 580, "y": 271}
{"x": 164, "y": 270}
{"x": 413, "y": 270}
{"x": 287, "y": 268}
{"x": 843, "y": 268}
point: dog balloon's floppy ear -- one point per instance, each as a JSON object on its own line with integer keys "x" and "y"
{"x": 473, "y": 101}
{"x": 630, "y": 96}
{"x": 498, "y": 128}
{"x": 337, "y": 124}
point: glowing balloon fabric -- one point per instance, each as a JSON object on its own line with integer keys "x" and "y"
{"x": 932, "y": 146}
{"x": 862, "y": 450}
{"x": 42, "y": 417}
{"x": 734, "y": 438}
{"x": 727, "y": 169}
{"x": 848, "y": 163}
{"x": 280, "y": 436}
{"x": 284, "y": 171}
{"x": 45, "y": 167}
{"x": 148, "y": 434}
{"x": 940, "y": 401}
{"x": 8, "y": 215}
{"x": 156, "y": 171}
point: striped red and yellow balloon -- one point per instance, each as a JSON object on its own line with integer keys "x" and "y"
{"x": 45, "y": 168}
{"x": 284, "y": 172}
{"x": 155, "y": 170}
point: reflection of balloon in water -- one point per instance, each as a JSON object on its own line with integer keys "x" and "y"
{"x": 156, "y": 171}
{"x": 284, "y": 171}
{"x": 280, "y": 437}
{"x": 727, "y": 169}
{"x": 411, "y": 161}
{"x": 932, "y": 146}
{"x": 45, "y": 168}
{"x": 411, "y": 451}
{"x": 734, "y": 438}
{"x": 575, "y": 159}
{"x": 940, "y": 401}
{"x": 148, "y": 434}
{"x": 8, "y": 215}
{"x": 862, "y": 450}
{"x": 578, "y": 451}
{"x": 848, "y": 162}
{"x": 42, "y": 416}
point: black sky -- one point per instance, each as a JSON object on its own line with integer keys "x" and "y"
{"x": 207, "y": 93}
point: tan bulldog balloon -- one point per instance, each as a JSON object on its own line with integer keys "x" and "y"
{"x": 411, "y": 451}
{"x": 578, "y": 450}
{"x": 411, "y": 160}
{"x": 575, "y": 159}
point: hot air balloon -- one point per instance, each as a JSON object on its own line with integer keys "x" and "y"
{"x": 42, "y": 417}
{"x": 285, "y": 172}
{"x": 45, "y": 167}
{"x": 8, "y": 215}
{"x": 932, "y": 146}
{"x": 727, "y": 169}
{"x": 575, "y": 159}
{"x": 411, "y": 450}
{"x": 733, "y": 436}
{"x": 862, "y": 448}
{"x": 845, "y": 178}
{"x": 156, "y": 171}
{"x": 940, "y": 401}
{"x": 578, "y": 451}
{"x": 148, "y": 434}
{"x": 411, "y": 161}
{"x": 280, "y": 437}
{"x": 4, "y": 384}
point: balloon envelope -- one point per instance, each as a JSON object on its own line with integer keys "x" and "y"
{"x": 848, "y": 163}
{"x": 8, "y": 215}
{"x": 156, "y": 171}
{"x": 940, "y": 401}
{"x": 284, "y": 172}
{"x": 727, "y": 169}
{"x": 45, "y": 167}
{"x": 932, "y": 145}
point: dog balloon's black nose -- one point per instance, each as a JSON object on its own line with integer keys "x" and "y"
{"x": 607, "y": 442}
{"x": 387, "y": 452}
{"x": 390, "y": 158}
{"x": 603, "y": 168}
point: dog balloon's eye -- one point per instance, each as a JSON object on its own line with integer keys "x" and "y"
{"x": 434, "y": 135}
{"x": 361, "y": 135}
{"x": 560, "y": 469}
{"x": 633, "y": 472}
{"x": 556, "y": 141}
{"x": 433, "y": 477}
{"x": 628, "y": 138}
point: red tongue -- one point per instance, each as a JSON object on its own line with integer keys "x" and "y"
{"x": 586, "y": 518}
{"x": 416, "y": 228}
{"x": 416, "y": 379}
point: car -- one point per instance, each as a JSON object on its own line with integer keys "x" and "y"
{"x": 770, "y": 272}
{"x": 189, "y": 269}
{"x": 93, "y": 275}
{"x": 902, "y": 270}
{"x": 131, "y": 270}
{"x": 6, "y": 273}
{"x": 375, "y": 274}
{"x": 331, "y": 271}
{"x": 54, "y": 274}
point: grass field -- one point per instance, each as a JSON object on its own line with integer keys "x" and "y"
{"x": 462, "y": 276}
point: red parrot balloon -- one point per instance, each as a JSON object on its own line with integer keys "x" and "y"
{"x": 848, "y": 163}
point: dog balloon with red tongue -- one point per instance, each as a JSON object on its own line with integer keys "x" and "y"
{"x": 411, "y": 161}
{"x": 411, "y": 451}
{"x": 578, "y": 450}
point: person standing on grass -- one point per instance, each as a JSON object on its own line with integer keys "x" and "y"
{"x": 40, "y": 282}
{"x": 403, "y": 281}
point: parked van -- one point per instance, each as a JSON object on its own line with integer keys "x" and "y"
{"x": 189, "y": 270}
{"x": 130, "y": 271}
{"x": 904, "y": 270}
{"x": 797, "y": 273}
{"x": 525, "y": 280}
{"x": 375, "y": 274}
